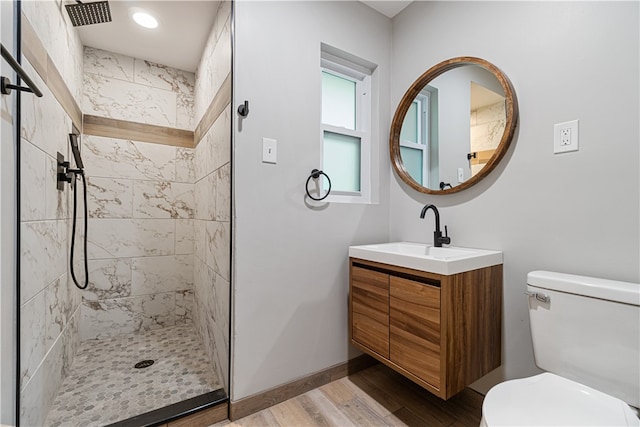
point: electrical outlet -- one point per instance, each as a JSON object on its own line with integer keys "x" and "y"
{"x": 565, "y": 137}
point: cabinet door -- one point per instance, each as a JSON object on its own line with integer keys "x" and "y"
{"x": 415, "y": 328}
{"x": 370, "y": 309}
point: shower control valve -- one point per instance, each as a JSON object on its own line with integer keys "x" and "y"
{"x": 64, "y": 173}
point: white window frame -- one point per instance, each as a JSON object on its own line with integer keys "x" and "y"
{"x": 424, "y": 101}
{"x": 362, "y": 77}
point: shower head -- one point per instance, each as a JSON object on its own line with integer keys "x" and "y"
{"x": 96, "y": 12}
{"x": 75, "y": 149}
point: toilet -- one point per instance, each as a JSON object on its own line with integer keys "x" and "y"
{"x": 586, "y": 336}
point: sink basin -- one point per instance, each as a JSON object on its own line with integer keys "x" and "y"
{"x": 423, "y": 257}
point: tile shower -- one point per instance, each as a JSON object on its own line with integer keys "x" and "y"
{"x": 159, "y": 224}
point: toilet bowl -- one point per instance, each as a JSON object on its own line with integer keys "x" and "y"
{"x": 586, "y": 334}
{"x": 550, "y": 400}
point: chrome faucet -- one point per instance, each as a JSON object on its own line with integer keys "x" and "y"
{"x": 438, "y": 240}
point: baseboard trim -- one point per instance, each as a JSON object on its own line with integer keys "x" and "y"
{"x": 252, "y": 404}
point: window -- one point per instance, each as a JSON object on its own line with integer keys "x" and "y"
{"x": 346, "y": 125}
{"x": 414, "y": 139}
{"x": 419, "y": 136}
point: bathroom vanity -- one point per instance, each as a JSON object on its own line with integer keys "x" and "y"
{"x": 442, "y": 330}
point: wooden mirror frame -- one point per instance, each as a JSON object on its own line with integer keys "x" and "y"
{"x": 422, "y": 81}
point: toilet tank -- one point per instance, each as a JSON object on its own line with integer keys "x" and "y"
{"x": 587, "y": 331}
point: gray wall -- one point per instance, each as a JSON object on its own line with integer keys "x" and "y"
{"x": 290, "y": 265}
{"x": 574, "y": 212}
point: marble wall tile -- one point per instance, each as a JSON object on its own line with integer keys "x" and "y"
{"x": 32, "y": 410}
{"x": 33, "y": 336}
{"x": 222, "y": 139}
{"x": 214, "y": 150}
{"x": 124, "y": 159}
{"x": 199, "y": 242}
{"x": 184, "y": 112}
{"x": 184, "y": 165}
{"x": 118, "y": 99}
{"x": 110, "y": 198}
{"x": 126, "y": 238}
{"x": 184, "y": 307}
{"x": 214, "y": 67}
{"x": 43, "y": 121}
{"x": 60, "y": 39}
{"x": 71, "y": 341}
{"x": 487, "y": 136}
{"x": 109, "y": 279}
{"x": 487, "y": 131}
{"x": 491, "y": 113}
{"x": 107, "y": 318}
{"x": 211, "y": 316}
{"x": 32, "y": 182}
{"x": 222, "y": 290}
{"x": 223, "y": 193}
{"x": 108, "y": 64}
{"x": 155, "y": 311}
{"x": 57, "y": 203}
{"x": 43, "y": 255}
{"x": 220, "y": 65}
{"x": 217, "y": 246}
{"x": 59, "y": 305}
{"x": 205, "y": 199}
{"x": 164, "y": 77}
{"x": 203, "y": 159}
{"x": 222, "y": 16}
{"x": 152, "y": 275}
{"x": 184, "y": 236}
{"x": 163, "y": 199}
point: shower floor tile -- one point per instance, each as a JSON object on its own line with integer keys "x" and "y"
{"x": 103, "y": 385}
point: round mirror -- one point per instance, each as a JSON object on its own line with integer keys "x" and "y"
{"x": 453, "y": 125}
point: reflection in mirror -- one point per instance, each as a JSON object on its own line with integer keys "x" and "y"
{"x": 488, "y": 118}
{"x": 467, "y": 106}
{"x": 457, "y": 121}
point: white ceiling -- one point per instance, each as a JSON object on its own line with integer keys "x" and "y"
{"x": 183, "y": 28}
{"x": 182, "y": 31}
{"x": 389, "y": 8}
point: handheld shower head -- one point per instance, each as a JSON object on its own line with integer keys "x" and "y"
{"x": 96, "y": 12}
{"x": 75, "y": 149}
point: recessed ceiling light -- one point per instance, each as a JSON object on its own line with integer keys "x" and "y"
{"x": 145, "y": 20}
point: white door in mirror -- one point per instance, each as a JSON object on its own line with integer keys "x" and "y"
{"x": 565, "y": 137}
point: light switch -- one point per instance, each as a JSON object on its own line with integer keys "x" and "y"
{"x": 269, "y": 150}
{"x": 460, "y": 175}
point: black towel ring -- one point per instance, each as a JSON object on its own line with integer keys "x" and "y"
{"x": 315, "y": 174}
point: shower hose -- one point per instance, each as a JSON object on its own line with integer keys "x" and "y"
{"x": 73, "y": 231}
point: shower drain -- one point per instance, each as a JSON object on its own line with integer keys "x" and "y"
{"x": 144, "y": 364}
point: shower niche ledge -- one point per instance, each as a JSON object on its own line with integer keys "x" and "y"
{"x": 442, "y": 331}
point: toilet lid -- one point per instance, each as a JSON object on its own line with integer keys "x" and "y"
{"x": 550, "y": 400}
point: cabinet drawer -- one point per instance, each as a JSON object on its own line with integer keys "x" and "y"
{"x": 415, "y": 328}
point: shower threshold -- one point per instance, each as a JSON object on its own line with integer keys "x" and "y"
{"x": 104, "y": 387}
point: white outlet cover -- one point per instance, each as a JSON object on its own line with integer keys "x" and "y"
{"x": 573, "y": 145}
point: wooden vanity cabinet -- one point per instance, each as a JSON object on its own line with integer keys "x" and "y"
{"x": 442, "y": 332}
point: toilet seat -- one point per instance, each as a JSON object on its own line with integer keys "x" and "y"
{"x": 550, "y": 400}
